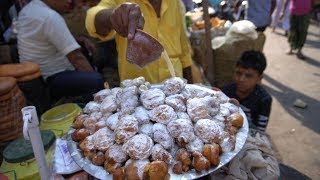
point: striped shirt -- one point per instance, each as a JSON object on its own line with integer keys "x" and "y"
{"x": 256, "y": 106}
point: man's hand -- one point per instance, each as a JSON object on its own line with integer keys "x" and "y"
{"x": 78, "y": 60}
{"x": 126, "y": 18}
{"x": 87, "y": 43}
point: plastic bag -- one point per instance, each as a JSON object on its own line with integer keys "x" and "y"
{"x": 63, "y": 162}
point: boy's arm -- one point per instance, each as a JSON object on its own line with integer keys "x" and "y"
{"x": 263, "y": 115}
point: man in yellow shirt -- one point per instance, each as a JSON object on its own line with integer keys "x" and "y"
{"x": 163, "y": 19}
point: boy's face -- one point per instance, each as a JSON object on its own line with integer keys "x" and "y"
{"x": 246, "y": 79}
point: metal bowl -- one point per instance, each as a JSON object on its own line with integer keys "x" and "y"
{"x": 100, "y": 173}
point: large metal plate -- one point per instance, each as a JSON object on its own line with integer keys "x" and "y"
{"x": 100, "y": 173}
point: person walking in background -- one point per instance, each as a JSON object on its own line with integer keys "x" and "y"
{"x": 299, "y": 23}
{"x": 188, "y": 4}
{"x": 215, "y": 4}
{"x": 283, "y": 23}
{"x": 259, "y": 13}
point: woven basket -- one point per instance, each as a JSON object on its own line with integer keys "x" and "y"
{"x": 11, "y": 122}
{"x": 15, "y": 103}
{"x": 9, "y": 94}
{"x": 13, "y": 134}
{"x": 7, "y": 84}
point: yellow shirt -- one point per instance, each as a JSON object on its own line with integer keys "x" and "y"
{"x": 168, "y": 30}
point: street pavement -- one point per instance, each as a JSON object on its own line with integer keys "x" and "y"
{"x": 294, "y": 131}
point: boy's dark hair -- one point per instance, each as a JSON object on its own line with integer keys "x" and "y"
{"x": 253, "y": 59}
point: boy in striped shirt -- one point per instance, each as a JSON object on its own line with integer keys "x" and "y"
{"x": 254, "y": 99}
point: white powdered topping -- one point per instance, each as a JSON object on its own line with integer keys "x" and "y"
{"x": 160, "y": 154}
{"x": 128, "y": 106}
{"x": 197, "y": 109}
{"x": 212, "y": 104}
{"x": 183, "y": 115}
{"x": 232, "y": 108}
{"x": 227, "y": 144}
{"x": 140, "y": 164}
{"x": 219, "y": 117}
{"x": 190, "y": 93}
{"x": 91, "y": 107}
{"x": 116, "y": 153}
{"x": 207, "y": 130}
{"x": 173, "y": 86}
{"x": 90, "y": 124}
{"x": 224, "y": 111}
{"x": 103, "y": 139}
{"x": 181, "y": 129}
{"x": 221, "y": 97}
{"x": 126, "y": 128}
{"x": 129, "y": 91}
{"x": 126, "y": 83}
{"x": 142, "y": 115}
{"x": 128, "y": 99}
{"x": 143, "y": 88}
{"x": 146, "y": 129}
{"x": 219, "y": 122}
{"x": 162, "y": 136}
{"x": 174, "y": 150}
{"x": 115, "y": 91}
{"x": 99, "y": 96}
{"x": 177, "y": 102}
{"x": 100, "y": 124}
{"x": 109, "y": 104}
{"x": 152, "y": 98}
{"x": 163, "y": 114}
{"x": 112, "y": 121}
{"x": 195, "y": 145}
{"x": 210, "y": 101}
{"x": 138, "y": 147}
{"x": 96, "y": 115}
{"x": 213, "y": 111}
{"x": 133, "y": 82}
{"x": 87, "y": 144}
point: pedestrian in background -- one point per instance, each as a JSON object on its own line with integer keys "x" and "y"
{"x": 259, "y": 13}
{"x": 299, "y": 23}
{"x": 283, "y": 23}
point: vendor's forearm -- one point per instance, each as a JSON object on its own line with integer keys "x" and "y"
{"x": 102, "y": 22}
{"x": 79, "y": 61}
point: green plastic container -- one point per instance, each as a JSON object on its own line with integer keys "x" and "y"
{"x": 18, "y": 158}
{"x": 59, "y": 118}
